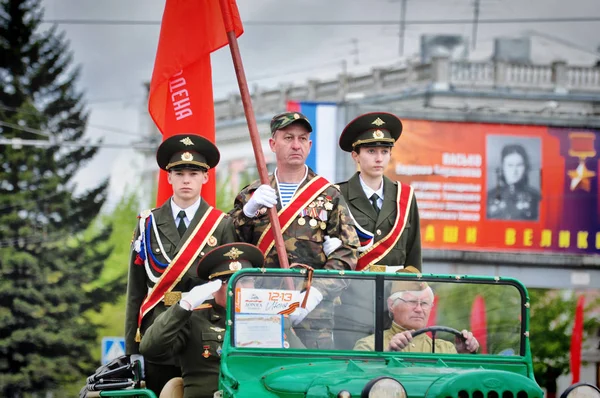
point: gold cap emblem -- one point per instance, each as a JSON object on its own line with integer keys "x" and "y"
{"x": 233, "y": 254}
{"x": 186, "y": 141}
{"x": 378, "y": 122}
{"x": 187, "y": 157}
{"x": 378, "y": 134}
{"x": 235, "y": 266}
{"x": 296, "y": 116}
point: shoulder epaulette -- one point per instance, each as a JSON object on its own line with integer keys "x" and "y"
{"x": 145, "y": 213}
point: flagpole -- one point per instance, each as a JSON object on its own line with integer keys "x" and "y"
{"x": 254, "y": 135}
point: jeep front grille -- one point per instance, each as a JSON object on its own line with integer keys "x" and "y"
{"x": 492, "y": 394}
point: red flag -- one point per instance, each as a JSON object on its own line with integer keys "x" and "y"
{"x": 576, "y": 340}
{"x": 479, "y": 323}
{"x": 181, "y": 97}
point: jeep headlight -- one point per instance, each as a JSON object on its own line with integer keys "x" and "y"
{"x": 383, "y": 387}
{"x": 581, "y": 390}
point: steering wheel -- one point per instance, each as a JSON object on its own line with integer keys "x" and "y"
{"x": 434, "y": 330}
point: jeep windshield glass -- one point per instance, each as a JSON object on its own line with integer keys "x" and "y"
{"x": 363, "y": 312}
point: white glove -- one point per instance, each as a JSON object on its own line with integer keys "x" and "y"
{"x": 330, "y": 245}
{"x": 200, "y": 294}
{"x": 264, "y": 196}
{"x": 314, "y": 298}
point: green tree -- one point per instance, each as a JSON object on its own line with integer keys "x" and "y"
{"x": 111, "y": 318}
{"x": 552, "y": 314}
{"x": 47, "y": 262}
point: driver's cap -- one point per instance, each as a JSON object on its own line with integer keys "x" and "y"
{"x": 411, "y": 286}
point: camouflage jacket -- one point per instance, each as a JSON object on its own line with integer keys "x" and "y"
{"x": 303, "y": 242}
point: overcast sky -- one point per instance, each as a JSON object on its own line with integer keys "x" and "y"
{"x": 116, "y": 60}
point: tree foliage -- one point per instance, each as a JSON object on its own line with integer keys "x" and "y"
{"x": 47, "y": 262}
{"x": 552, "y": 315}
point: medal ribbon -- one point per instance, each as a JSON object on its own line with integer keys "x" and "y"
{"x": 287, "y": 214}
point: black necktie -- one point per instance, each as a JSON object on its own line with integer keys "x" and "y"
{"x": 181, "y": 226}
{"x": 374, "y": 199}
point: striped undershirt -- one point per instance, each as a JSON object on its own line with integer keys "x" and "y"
{"x": 287, "y": 191}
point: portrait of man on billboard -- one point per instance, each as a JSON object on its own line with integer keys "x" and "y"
{"x": 513, "y": 177}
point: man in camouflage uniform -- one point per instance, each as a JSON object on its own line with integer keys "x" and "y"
{"x": 307, "y": 231}
{"x": 373, "y": 202}
{"x": 160, "y": 236}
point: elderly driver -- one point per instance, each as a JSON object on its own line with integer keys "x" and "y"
{"x": 409, "y": 307}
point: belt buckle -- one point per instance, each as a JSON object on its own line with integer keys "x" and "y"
{"x": 377, "y": 268}
{"x": 171, "y": 298}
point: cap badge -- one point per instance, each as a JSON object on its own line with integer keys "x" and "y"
{"x": 378, "y": 122}
{"x": 235, "y": 266}
{"x": 186, "y": 141}
{"x": 378, "y": 134}
{"x": 187, "y": 157}
{"x": 233, "y": 254}
{"x": 296, "y": 116}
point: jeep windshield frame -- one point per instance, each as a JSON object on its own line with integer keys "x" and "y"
{"x": 240, "y": 323}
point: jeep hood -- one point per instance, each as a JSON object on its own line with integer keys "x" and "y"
{"x": 328, "y": 379}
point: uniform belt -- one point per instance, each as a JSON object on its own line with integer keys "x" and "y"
{"x": 384, "y": 268}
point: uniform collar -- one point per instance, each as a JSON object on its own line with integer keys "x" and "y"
{"x": 368, "y": 191}
{"x": 190, "y": 212}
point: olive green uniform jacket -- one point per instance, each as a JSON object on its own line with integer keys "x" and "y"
{"x": 304, "y": 244}
{"x": 355, "y": 317}
{"x": 196, "y": 339}
{"x": 139, "y": 281}
{"x": 421, "y": 343}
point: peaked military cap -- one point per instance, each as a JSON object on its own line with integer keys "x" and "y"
{"x": 371, "y": 129}
{"x": 225, "y": 260}
{"x": 284, "y": 119}
{"x": 409, "y": 285}
{"x": 187, "y": 151}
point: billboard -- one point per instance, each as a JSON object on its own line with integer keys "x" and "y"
{"x": 498, "y": 187}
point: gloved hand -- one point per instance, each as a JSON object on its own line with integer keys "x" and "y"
{"x": 330, "y": 245}
{"x": 314, "y": 298}
{"x": 200, "y": 294}
{"x": 264, "y": 196}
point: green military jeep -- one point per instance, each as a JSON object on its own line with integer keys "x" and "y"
{"x": 342, "y": 350}
{"x": 265, "y": 355}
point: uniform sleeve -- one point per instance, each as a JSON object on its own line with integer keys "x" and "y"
{"x": 136, "y": 292}
{"x": 168, "y": 335}
{"x": 228, "y": 234}
{"x": 341, "y": 226}
{"x": 243, "y": 226}
{"x": 365, "y": 344}
{"x": 413, "y": 245}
